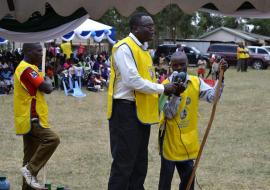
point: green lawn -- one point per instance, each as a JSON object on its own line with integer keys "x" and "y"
{"x": 236, "y": 156}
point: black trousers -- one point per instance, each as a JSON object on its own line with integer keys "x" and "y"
{"x": 129, "y": 148}
{"x": 184, "y": 169}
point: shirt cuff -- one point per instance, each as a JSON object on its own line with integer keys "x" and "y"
{"x": 160, "y": 88}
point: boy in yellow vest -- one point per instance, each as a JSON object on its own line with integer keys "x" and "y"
{"x": 31, "y": 115}
{"x": 178, "y": 135}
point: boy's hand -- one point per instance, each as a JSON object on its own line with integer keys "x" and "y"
{"x": 180, "y": 88}
{"x": 169, "y": 89}
{"x": 223, "y": 65}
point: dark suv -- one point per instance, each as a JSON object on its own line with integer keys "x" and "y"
{"x": 192, "y": 53}
{"x": 228, "y": 52}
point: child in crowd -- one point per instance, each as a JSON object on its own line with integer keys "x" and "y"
{"x": 201, "y": 67}
{"x": 215, "y": 67}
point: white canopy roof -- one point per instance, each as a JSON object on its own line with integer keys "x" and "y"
{"x": 92, "y": 29}
{"x": 22, "y": 9}
{"x": 91, "y": 25}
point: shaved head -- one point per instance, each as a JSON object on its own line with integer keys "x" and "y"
{"x": 27, "y": 47}
{"x": 179, "y": 56}
{"x": 32, "y": 53}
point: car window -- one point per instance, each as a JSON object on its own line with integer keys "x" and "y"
{"x": 223, "y": 48}
{"x": 230, "y": 49}
{"x": 186, "y": 49}
{"x": 262, "y": 51}
{"x": 252, "y": 50}
{"x": 195, "y": 50}
{"x": 172, "y": 49}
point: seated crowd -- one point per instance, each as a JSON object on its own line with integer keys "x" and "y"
{"x": 90, "y": 71}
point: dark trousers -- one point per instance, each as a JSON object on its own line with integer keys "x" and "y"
{"x": 129, "y": 148}
{"x": 184, "y": 169}
{"x": 245, "y": 65}
{"x": 38, "y": 146}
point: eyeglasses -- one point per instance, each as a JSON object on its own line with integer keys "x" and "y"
{"x": 148, "y": 26}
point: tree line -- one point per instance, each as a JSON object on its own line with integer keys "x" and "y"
{"x": 173, "y": 23}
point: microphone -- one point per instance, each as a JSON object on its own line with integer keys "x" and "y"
{"x": 179, "y": 77}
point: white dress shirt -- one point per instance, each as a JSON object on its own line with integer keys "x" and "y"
{"x": 128, "y": 78}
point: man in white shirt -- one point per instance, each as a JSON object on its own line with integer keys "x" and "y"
{"x": 131, "y": 86}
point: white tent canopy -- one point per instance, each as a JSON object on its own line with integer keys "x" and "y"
{"x": 22, "y": 9}
{"x": 92, "y": 29}
{"x": 42, "y": 36}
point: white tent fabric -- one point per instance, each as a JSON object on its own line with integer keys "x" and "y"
{"x": 92, "y": 29}
{"x": 22, "y": 9}
{"x": 42, "y": 36}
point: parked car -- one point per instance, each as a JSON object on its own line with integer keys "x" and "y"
{"x": 257, "y": 51}
{"x": 192, "y": 53}
{"x": 229, "y": 53}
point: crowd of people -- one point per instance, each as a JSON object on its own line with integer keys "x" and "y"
{"x": 91, "y": 71}
{"x": 8, "y": 63}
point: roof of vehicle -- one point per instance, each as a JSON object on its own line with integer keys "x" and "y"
{"x": 223, "y": 44}
{"x": 262, "y": 47}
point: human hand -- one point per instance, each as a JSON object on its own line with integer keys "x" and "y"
{"x": 180, "y": 88}
{"x": 169, "y": 89}
{"x": 223, "y": 65}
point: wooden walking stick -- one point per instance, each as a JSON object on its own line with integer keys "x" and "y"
{"x": 43, "y": 72}
{"x": 216, "y": 98}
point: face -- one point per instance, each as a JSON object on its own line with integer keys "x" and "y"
{"x": 146, "y": 29}
{"x": 179, "y": 64}
{"x": 36, "y": 54}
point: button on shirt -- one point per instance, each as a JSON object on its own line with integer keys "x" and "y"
{"x": 128, "y": 78}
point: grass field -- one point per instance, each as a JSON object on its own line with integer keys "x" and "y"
{"x": 236, "y": 156}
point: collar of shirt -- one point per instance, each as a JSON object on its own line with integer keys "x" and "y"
{"x": 143, "y": 46}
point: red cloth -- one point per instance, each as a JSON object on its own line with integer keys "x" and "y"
{"x": 201, "y": 71}
{"x": 81, "y": 50}
{"x": 210, "y": 82}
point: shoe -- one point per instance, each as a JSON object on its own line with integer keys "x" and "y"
{"x": 30, "y": 179}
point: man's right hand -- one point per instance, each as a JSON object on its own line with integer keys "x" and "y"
{"x": 169, "y": 88}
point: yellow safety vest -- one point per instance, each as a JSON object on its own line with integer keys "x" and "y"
{"x": 240, "y": 53}
{"x": 66, "y": 48}
{"x": 146, "y": 104}
{"x": 181, "y": 139}
{"x": 22, "y": 103}
{"x": 246, "y": 53}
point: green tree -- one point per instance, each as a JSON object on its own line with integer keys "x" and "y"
{"x": 119, "y": 22}
{"x": 230, "y": 22}
{"x": 172, "y": 23}
{"x": 261, "y": 26}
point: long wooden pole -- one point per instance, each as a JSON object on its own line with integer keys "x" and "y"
{"x": 43, "y": 64}
{"x": 217, "y": 94}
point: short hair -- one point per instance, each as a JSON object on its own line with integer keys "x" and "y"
{"x": 135, "y": 19}
{"x": 29, "y": 46}
{"x": 179, "y": 54}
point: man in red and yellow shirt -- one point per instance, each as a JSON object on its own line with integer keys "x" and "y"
{"x": 31, "y": 115}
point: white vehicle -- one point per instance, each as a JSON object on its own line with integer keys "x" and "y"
{"x": 260, "y": 51}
